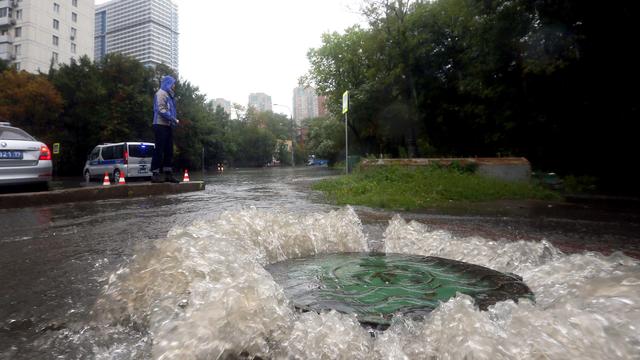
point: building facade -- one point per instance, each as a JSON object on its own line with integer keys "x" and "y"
{"x": 224, "y": 104}
{"x": 146, "y": 30}
{"x": 260, "y": 101}
{"x": 305, "y": 103}
{"x": 36, "y": 34}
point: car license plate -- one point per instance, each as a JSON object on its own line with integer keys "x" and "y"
{"x": 142, "y": 169}
{"x": 8, "y": 154}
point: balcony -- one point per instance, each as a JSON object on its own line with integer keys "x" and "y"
{"x": 7, "y": 55}
{"x": 7, "y": 22}
{"x": 8, "y": 3}
{"x": 6, "y": 39}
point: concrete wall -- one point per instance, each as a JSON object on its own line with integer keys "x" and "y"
{"x": 507, "y": 169}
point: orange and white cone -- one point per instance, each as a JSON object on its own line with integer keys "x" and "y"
{"x": 121, "y": 181}
{"x": 106, "y": 181}
{"x": 186, "y": 176}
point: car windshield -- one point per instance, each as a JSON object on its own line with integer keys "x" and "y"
{"x": 14, "y": 134}
{"x": 140, "y": 150}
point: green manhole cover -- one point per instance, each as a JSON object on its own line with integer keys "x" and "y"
{"x": 377, "y": 286}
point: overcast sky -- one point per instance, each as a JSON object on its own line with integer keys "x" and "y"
{"x": 231, "y": 48}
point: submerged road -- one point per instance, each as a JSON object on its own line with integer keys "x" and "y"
{"x": 60, "y": 265}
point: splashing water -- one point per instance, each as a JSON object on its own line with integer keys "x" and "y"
{"x": 203, "y": 292}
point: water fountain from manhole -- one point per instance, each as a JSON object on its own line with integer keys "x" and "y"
{"x": 377, "y": 286}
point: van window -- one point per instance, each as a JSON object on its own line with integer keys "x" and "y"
{"x": 94, "y": 154}
{"x": 107, "y": 153}
{"x": 140, "y": 150}
{"x": 118, "y": 152}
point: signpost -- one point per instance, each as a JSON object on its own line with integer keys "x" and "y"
{"x": 345, "y": 110}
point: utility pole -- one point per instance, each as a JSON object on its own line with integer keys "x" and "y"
{"x": 345, "y": 110}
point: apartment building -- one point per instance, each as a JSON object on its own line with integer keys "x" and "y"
{"x": 305, "y": 103}
{"x": 224, "y": 104}
{"x": 260, "y": 101}
{"x": 36, "y": 34}
{"x": 146, "y": 30}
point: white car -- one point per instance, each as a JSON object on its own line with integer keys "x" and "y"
{"x": 131, "y": 159}
{"x": 23, "y": 159}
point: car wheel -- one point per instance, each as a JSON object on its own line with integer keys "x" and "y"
{"x": 116, "y": 176}
{"x": 87, "y": 176}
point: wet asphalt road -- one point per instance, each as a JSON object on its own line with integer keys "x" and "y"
{"x": 54, "y": 259}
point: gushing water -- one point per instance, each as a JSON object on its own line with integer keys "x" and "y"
{"x": 203, "y": 292}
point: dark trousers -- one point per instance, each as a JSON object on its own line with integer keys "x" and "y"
{"x": 163, "y": 153}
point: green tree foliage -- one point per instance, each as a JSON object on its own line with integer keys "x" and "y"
{"x": 326, "y": 138}
{"x": 30, "y": 102}
{"x": 83, "y": 104}
{"x": 544, "y": 79}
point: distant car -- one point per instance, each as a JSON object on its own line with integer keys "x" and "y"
{"x": 317, "y": 162}
{"x": 23, "y": 159}
{"x": 131, "y": 159}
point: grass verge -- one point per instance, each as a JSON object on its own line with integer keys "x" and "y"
{"x": 422, "y": 187}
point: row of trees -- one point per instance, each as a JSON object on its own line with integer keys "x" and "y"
{"x": 86, "y": 103}
{"x": 549, "y": 80}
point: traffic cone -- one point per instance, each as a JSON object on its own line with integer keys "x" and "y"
{"x": 106, "y": 181}
{"x": 186, "y": 176}
{"x": 121, "y": 181}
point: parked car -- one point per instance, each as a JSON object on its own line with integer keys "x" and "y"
{"x": 131, "y": 159}
{"x": 23, "y": 159}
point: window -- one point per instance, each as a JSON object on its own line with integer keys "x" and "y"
{"x": 54, "y": 57}
{"x": 74, "y": 3}
{"x": 18, "y": 49}
{"x": 55, "y": 40}
{"x": 73, "y": 48}
{"x": 17, "y": 65}
{"x": 14, "y": 134}
{"x": 94, "y": 154}
{"x": 3, "y": 12}
{"x": 19, "y": 14}
{"x": 56, "y": 7}
{"x": 74, "y": 17}
{"x": 108, "y": 153}
{"x": 141, "y": 150}
{"x": 73, "y": 33}
{"x": 18, "y": 31}
{"x": 56, "y": 24}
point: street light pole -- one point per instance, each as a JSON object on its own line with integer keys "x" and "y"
{"x": 293, "y": 163}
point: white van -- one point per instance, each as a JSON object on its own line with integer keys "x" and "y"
{"x": 133, "y": 159}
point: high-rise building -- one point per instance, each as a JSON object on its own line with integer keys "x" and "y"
{"x": 146, "y": 30}
{"x": 35, "y": 34}
{"x": 260, "y": 101}
{"x": 322, "y": 106}
{"x": 305, "y": 103}
{"x": 224, "y": 104}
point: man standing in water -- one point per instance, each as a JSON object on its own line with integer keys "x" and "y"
{"x": 164, "y": 121}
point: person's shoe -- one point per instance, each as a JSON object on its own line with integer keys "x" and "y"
{"x": 157, "y": 178}
{"x": 168, "y": 177}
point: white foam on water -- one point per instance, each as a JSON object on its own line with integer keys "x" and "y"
{"x": 204, "y": 293}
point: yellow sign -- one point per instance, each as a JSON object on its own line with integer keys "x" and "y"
{"x": 56, "y": 148}
{"x": 345, "y": 102}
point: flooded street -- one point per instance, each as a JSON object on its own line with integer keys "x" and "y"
{"x": 183, "y": 277}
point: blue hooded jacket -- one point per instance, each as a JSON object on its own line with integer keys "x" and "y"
{"x": 164, "y": 106}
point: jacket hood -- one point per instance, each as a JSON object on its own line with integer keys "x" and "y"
{"x": 166, "y": 83}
